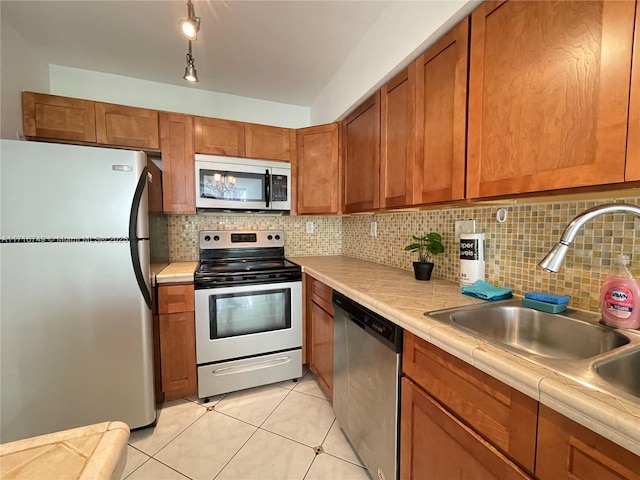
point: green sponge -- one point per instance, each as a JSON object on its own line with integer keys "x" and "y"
{"x": 544, "y": 306}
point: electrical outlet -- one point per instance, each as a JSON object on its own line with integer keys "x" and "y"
{"x": 310, "y": 227}
{"x": 374, "y": 229}
{"x": 464, "y": 226}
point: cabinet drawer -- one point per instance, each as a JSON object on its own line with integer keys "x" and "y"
{"x": 321, "y": 294}
{"x": 501, "y": 414}
{"x": 175, "y": 298}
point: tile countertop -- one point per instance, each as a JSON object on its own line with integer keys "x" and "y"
{"x": 94, "y": 452}
{"x": 396, "y": 295}
{"x": 177, "y": 272}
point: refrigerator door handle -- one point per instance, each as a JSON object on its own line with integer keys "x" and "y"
{"x": 133, "y": 236}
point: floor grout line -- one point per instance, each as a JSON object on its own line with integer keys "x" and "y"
{"x": 211, "y": 408}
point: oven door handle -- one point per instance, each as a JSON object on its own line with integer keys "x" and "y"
{"x": 267, "y": 187}
{"x": 248, "y": 367}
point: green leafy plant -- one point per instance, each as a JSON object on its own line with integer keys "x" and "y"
{"x": 427, "y": 246}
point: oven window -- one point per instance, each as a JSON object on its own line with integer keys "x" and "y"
{"x": 234, "y": 314}
{"x": 236, "y": 186}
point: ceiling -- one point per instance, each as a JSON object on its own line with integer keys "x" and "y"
{"x": 283, "y": 51}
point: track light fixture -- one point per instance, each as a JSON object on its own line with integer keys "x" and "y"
{"x": 190, "y": 73}
{"x": 190, "y": 26}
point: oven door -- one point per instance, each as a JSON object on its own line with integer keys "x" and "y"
{"x": 239, "y": 321}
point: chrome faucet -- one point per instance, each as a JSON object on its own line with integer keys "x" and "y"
{"x": 555, "y": 258}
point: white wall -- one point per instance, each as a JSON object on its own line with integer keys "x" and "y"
{"x": 402, "y": 32}
{"x": 75, "y": 82}
{"x": 23, "y": 68}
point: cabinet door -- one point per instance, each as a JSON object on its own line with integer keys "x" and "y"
{"x": 361, "y": 134}
{"x": 319, "y": 316}
{"x": 441, "y": 118}
{"x": 266, "y": 142}
{"x": 126, "y": 126}
{"x": 322, "y": 351}
{"x": 318, "y": 164}
{"x": 219, "y": 137}
{"x": 633, "y": 139}
{"x": 58, "y": 118}
{"x": 569, "y": 450}
{"x": 548, "y": 95}
{"x": 178, "y": 355}
{"x": 178, "y": 163}
{"x": 397, "y": 139}
{"x": 436, "y": 445}
{"x": 501, "y": 414}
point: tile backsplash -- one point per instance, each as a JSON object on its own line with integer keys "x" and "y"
{"x": 513, "y": 248}
{"x": 326, "y": 239}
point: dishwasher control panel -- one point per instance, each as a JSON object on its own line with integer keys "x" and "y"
{"x": 385, "y": 330}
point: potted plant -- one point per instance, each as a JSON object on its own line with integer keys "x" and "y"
{"x": 427, "y": 246}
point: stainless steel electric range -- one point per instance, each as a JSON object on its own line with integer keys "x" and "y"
{"x": 248, "y": 311}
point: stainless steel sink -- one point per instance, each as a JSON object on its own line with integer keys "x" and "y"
{"x": 535, "y": 332}
{"x": 622, "y": 371}
{"x": 572, "y": 343}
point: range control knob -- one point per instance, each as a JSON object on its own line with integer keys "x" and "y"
{"x": 269, "y": 237}
{"x": 277, "y": 237}
{"x": 216, "y": 238}
{"x": 207, "y": 238}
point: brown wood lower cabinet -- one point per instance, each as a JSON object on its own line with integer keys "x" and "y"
{"x": 569, "y": 450}
{"x": 502, "y": 415}
{"x": 320, "y": 333}
{"x": 177, "y": 341}
{"x": 436, "y": 445}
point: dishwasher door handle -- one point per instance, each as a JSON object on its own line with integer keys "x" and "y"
{"x": 357, "y": 322}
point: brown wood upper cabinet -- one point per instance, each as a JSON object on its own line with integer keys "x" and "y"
{"x": 126, "y": 126}
{"x": 441, "y": 118}
{"x": 361, "y": 136}
{"x": 237, "y": 139}
{"x": 58, "y": 118}
{"x": 632, "y": 171}
{"x": 267, "y": 142}
{"x": 52, "y": 117}
{"x": 397, "y": 139}
{"x": 318, "y": 163}
{"x": 549, "y": 96}
{"x": 176, "y": 145}
{"x": 219, "y": 137}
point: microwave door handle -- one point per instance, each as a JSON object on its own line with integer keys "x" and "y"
{"x": 267, "y": 187}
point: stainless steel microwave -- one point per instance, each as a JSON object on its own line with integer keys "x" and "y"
{"x": 231, "y": 183}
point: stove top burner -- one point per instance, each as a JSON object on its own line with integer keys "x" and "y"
{"x": 231, "y": 258}
{"x": 242, "y": 265}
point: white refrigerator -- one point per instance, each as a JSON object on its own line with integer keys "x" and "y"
{"x": 76, "y": 343}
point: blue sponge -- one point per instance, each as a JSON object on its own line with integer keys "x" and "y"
{"x": 548, "y": 297}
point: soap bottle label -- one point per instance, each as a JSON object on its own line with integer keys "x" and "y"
{"x": 619, "y": 302}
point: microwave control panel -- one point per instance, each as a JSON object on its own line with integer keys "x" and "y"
{"x": 278, "y": 188}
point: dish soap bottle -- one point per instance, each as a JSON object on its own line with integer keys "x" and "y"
{"x": 620, "y": 296}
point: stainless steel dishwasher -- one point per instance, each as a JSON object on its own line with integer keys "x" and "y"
{"x": 366, "y": 372}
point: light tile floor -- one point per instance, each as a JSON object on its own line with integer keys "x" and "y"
{"x": 282, "y": 431}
